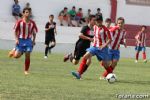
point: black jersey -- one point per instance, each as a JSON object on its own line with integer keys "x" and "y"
{"x": 52, "y": 26}
{"x": 87, "y": 32}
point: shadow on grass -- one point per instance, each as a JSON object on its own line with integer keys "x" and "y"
{"x": 134, "y": 82}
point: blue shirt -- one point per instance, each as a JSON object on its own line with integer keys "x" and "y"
{"x": 16, "y": 8}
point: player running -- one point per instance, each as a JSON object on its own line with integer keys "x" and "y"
{"x": 50, "y": 32}
{"x": 25, "y": 35}
{"x": 85, "y": 38}
{"x": 141, "y": 44}
{"x": 102, "y": 38}
{"x": 118, "y": 34}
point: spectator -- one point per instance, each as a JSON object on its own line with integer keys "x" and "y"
{"x": 79, "y": 17}
{"x": 72, "y": 14}
{"x": 99, "y": 12}
{"x": 63, "y": 16}
{"x": 89, "y": 13}
{"x": 87, "y": 16}
{"x": 28, "y": 6}
{"x": 16, "y": 10}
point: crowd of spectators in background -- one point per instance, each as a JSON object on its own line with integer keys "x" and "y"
{"x": 72, "y": 15}
{"x": 16, "y": 10}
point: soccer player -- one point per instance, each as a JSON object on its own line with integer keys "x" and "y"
{"x": 50, "y": 32}
{"x": 85, "y": 38}
{"x": 118, "y": 34}
{"x": 102, "y": 38}
{"x": 25, "y": 35}
{"x": 108, "y": 23}
{"x": 141, "y": 43}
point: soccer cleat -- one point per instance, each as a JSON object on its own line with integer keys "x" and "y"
{"x": 26, "y": 72}
{"x": 66, "y": 57}
{"x": 102, "y": 78}
{"x": 11, "y": 53}
{"x": 45, "y": 57}
{"x": 76, "y": 75}
{"x": 145, "y": 61}
{"x": 136, "y": 61}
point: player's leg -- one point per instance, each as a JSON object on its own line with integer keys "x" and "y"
{"x": 144, "y": 54}
{"x": 52, "y": 43}
{"x": 138, "y": 49}
{"x": 27, "y": 63}
{"x": 47, "y": 41}
{"x": 104, "y": 56}
{"x": 114, "y": 57}
{"x": 83, "y": 65}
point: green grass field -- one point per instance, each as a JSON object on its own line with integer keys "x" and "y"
{"x": 50, "y": 79}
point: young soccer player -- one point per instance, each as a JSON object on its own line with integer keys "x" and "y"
{"x": 50, "y": 32}
{"x": 85, "y": 38}
{"x": 141, "y": 43}
{"x": 102, "y": 38}
{"x": 25, "y": 34}
{"x": 118, "y": 34}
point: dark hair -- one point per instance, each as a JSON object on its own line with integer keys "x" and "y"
{"x": 51, "y": 15}
{"x": 65, "y": 8}
{"x": 80, "y": 9}
{"x": 98, "y": 9}
{"x": 74, "y": 7}
{"x": 108, "y": 20}
{"x": 90, "y": 17}
{"x": 143, "y": 26}
{"x": 98, "y": 17}
{"x": 121, "y": 18}
{"x": 26, "y": 9}
{"x": 89, "y": 9}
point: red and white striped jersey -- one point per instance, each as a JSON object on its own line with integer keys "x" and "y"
{"x": 118, "y": 37}
{"x": 25, "y": 30}
{"x": 101, "y": 35}
{"x": 141, "y": 37}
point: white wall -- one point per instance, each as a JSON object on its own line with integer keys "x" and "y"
{"x": 43, "y": 8}
{"x": 134, "y": 14}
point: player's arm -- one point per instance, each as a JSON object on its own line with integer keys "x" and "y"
{"x": 82, "y": 36}
{"x": 137, "y": 37}
{"x": 47, "y": 27}
{"x": 16, "y": 32}
{"x": 34, "y": 33}
{"x": 55, "y": 31}
{"x": 109, "y": 39}
{"x": 34, "y": 37}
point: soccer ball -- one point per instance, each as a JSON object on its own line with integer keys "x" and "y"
{"x": 111, "y": 78}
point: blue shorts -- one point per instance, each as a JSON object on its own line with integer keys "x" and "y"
{"x": 140, "y": 48}
{"x": 114, "y": 54}
{"x": 101, "y": 54}
{"x": 25, "y": 45}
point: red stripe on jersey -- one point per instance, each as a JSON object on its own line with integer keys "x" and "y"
{"x": 116, "y": 40}
{"x": 24, "y": 30}
{"x": 99, "y": 37}
{"x": 29, "y": 31}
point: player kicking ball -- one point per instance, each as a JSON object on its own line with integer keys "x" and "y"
{"x": 85, "y": 39}
{"x": 25, "y": 34}
{"x": 99, "y": 48}
{"x": 141, "y": 44}
{"x": 118, "y": 34}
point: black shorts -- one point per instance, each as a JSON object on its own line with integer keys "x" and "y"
{"x": 80, "y": 50}
{"x": 19, "y": 15}
{"x": 49, "y": 39}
